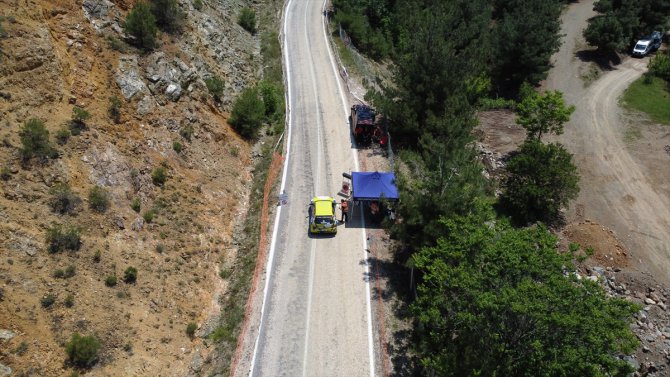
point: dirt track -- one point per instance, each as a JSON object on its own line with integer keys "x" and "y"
{"x": 624, "y": 179}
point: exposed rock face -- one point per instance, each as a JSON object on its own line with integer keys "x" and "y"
{"x": 108, "y": 166}
{"x": 128, "y": 77}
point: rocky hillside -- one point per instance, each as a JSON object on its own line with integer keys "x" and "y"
{"x": 172, "y": 182}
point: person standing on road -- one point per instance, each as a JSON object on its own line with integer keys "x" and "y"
{"x": 344, "y": 207}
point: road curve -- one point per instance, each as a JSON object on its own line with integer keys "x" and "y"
{"x": 616, "y": 190}
{"x": 316, "y": 315}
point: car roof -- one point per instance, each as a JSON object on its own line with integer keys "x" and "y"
{"x": 323, "y": 205}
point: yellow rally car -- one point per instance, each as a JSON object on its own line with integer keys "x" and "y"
{"x": 322, "y": 215}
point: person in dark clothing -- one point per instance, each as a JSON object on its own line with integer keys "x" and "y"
{"x": 344, "y": 207}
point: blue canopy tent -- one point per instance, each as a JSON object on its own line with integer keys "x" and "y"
{"x": 373, "y": 186}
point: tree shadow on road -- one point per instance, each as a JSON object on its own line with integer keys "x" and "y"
{"x": 606, "y": 61}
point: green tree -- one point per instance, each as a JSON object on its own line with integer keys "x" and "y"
{"x": 59, "y": 239}
{"x": 98, "y": 199}
{"x": 542, "y": 179}
{"x": 35, "y": 140}
{"x": 248, "y": 113}
{"x": 141, "y": 25}
{"x": 273, "y": 101}
{"x": 82, "y": 351}
{"x": 526, "y": 34}
{"x": 495, "y": 301}
{"x": 247, "y": 19}
{"x": 169, "y": 15}
{"x": 540, "y": 114}
{"x": 215, "y": 85}
{"x": 606, "y": 33}
{"x": 159, "y": 176}
{"x": 63, "y": 201}
{"x": 130, "y": 275}
{"x": 79, "y": 118}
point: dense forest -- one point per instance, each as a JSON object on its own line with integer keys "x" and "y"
{"x": 495, "y": 297}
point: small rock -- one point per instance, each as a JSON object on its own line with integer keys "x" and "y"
{"x": 5, "y": 371}
{"x": 6, "y": 334}
{"x": 118, "y": 221}
{"x": 646, "y": 349}
{"x": 137, "y": 224}
{"x": 649, "y": 301}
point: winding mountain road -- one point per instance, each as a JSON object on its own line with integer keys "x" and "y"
{"x": 619, "y": 189}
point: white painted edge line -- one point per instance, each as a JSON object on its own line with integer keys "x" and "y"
{"x": 371, "y": 354}
{"x": 273, "y": 242}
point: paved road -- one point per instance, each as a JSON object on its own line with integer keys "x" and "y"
{"x": 316, "y": 318}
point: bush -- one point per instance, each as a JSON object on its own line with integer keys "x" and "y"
{"x": 116, "y": 44}
{"x": 141, "y": 25}
{"x": 659, "y": 66}
{"x": 130, "y": 275}
{"x": 98, "y": 199}
{"x": 79, "y": 117}
{"x": 159, "y": 176}
{"x": 59, "y": 239}
{"x": 215, "y": 85}
{"x": 114, "y": 109}
{"x": 169, "y": 16}
{"x": 110, "y": 280}
{"x": 47, "y": 301}
{"x": 35, "y": 140}
{"x": 148, "y": 216}
{"x": 69, "y": 301}
{"x": 82, "y": 351}
{"x": 190, "y": 329}
{"x": 177, "y": 146}
{"x": 197, "y": 4}
{"x": 96, "y": 256}
{"x": 186, "y": 132}
{"x": 273, "y": 101}
{"x": 69, "y": 272}
{"x": 5, "y": 173}
{"x": 247, "y": 19}
{"x": 136, "y": 205}
{"x": 62, "y": 136}
{"x": 63, "y": 201}
{"x": 248, "y": 113}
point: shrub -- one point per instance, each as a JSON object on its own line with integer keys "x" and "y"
{"x": 79, "y": 117}
{"x": 48, "y": 300}
{"x": 169, "y": 16}
{"x": 272, "y": 100}
{"x": 68, "y": 273}
{"x": 248, "y": 113}
{"x": 148, "y": 216}
{"x": 186, "y": 132}
{"x": 69, "y": 301}
{"x": 247, "y": 19}
{"x": 136, "y": 205}
{"x": 59, "y": 274}
{"x": 215, "y": 85}
{"x": 82, "y": 351}
{"x": 159, "y": 176}
{"x": 62, "y": 136}
{"x": 190, "y": 329}
{"x": 116, "y": 44}
{"x": 130, "y": 275}
{"x": 98, "y": 199}
{"x": 63, "y": 200}
{"x": 141, "y": 25}
{"x": 5, "y": 173}
{"x": 197, "y": 4}
{"x": 96, "y": 256}
{"x": 35, "y": 140}
{"x": 59, "y": 239}
{"x": 177, "y": 146}
{"x": 114, "y": 109}
{"x": 110, "y": 280}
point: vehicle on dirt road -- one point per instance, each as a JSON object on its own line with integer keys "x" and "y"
{"x": 647, "y": 44}
{"x": 322, "y": 215}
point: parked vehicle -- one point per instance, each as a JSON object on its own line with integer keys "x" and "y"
{"x": 647, "y": 44}
{"x": 363, "y": 123}
{"x": 322, "y": 215}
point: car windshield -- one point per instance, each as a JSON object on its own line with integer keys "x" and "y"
{"x": 322, "y": 220}
{"x": 640, "y": 46}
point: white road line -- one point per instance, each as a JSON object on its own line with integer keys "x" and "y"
{"x": 273, "y": 243}
{"x": 371, "y": 355}
{"x": 317, "y": 181}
